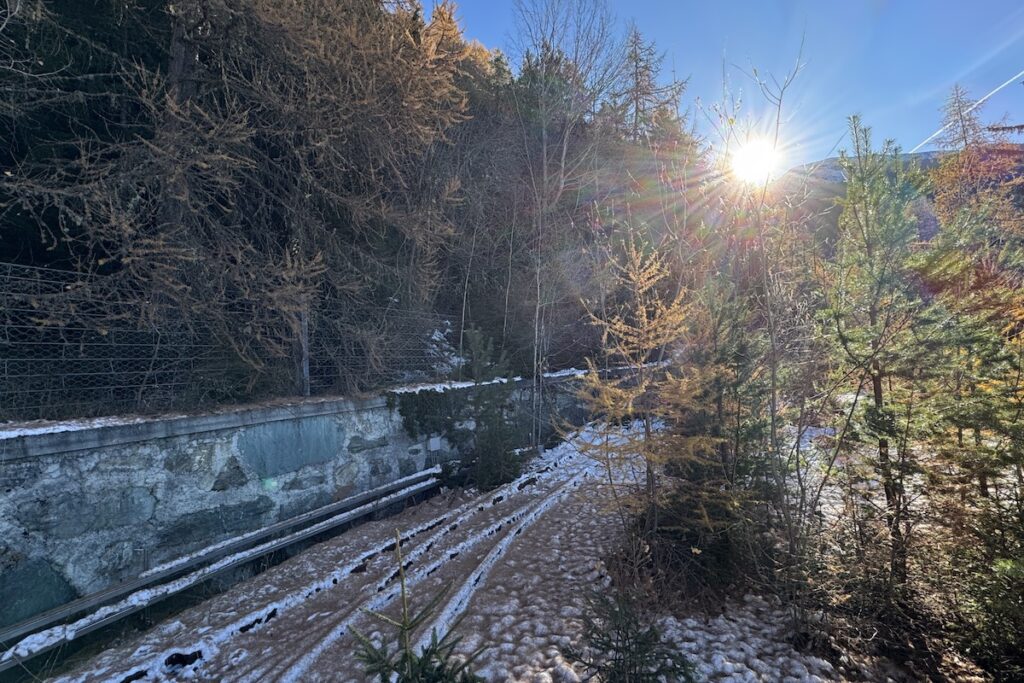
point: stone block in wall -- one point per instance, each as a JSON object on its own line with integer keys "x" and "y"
{"x": 230, "y": 476}
{"x": 69, "y": 513}
{"x": 196, "y": 459}
{"x": 351, "y": 475}
{"x": 30, "y": 586}
{"x": 407, "y": 465}
{"x": 301, "y": 482}
{"x": 206, "y": 526}
{"x": 275, "y": 448}
{"x": 358, "y": 444}
{"x": 302, "y": 503}
{"x": 19, "y": 475}
{"x": 383, "y": 470}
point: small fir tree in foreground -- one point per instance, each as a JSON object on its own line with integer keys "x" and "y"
{"x": 434, "y": 663}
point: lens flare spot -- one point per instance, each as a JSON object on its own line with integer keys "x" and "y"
{"x": 756, "y": 161}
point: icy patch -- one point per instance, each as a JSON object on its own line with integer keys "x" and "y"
{"x": 568, "y": 372}
{"x": 447, "y": 386}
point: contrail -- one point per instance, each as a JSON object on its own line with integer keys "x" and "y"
{"x": 942, "y": 130}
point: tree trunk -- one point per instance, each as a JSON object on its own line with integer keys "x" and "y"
{"x": 893, "y": 493}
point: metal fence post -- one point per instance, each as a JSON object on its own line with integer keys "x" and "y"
{"x": 304, "y": 350}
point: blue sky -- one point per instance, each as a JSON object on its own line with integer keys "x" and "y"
{"x": 892, "y": 61}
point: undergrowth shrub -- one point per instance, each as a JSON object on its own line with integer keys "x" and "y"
{"x": 704, "y": 547}
{"x": 480, "y": 427}
{"x": 990, "y": 611}
{"x": 701, "y": 547}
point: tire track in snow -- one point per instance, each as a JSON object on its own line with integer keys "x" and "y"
{"x": 459, "y": 602}
{"x": 298, "y": 665}
{"x": 322, "y": 633}
{"x": 225, "y": 651}
{"x": 522, "y": 518}
{"x": 208, "y": 646}
{"x": 257, "y": 670}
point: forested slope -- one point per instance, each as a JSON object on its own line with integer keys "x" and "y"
{"x": 829, "y": 375}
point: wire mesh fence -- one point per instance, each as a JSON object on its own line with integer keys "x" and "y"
{"x": 81, "y": 346}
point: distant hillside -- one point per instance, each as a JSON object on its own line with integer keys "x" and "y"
{"x": 819, "y": 184}
{"x": 816, "y": 189}
{"x": 828, "y": 170}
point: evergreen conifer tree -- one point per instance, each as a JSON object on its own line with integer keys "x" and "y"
{"x": 877, "y": 318}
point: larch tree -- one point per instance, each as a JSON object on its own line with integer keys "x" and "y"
{"x": 644, "y": 321}
{"x": 978, "y": 170}
{"x": 646, "y": 106}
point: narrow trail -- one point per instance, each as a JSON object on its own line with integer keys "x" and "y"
{"x": 293, "y": 622}
{"x": 516, "y": 562}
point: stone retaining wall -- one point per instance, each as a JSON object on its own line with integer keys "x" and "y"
{"x": 84, "y": 508}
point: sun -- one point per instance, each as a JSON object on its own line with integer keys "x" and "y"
{"x": 754, "y": 161}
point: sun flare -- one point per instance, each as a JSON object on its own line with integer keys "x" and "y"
{"x": 755, "y": 161}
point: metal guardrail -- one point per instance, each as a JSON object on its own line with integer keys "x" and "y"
{"x": 200, "y": 567}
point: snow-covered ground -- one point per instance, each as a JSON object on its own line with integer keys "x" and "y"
{"x": 517, "y": 562}
{"x": 746, "y": 642}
